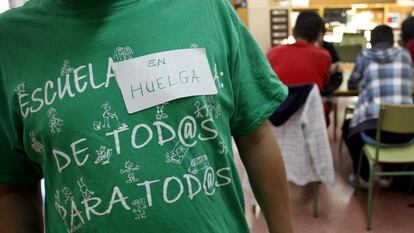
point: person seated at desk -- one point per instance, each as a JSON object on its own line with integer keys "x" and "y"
{"x": 303, "y": 61}
{"x": 383, "y": 75}
{"x": 335, "y": 72}
{"x": 407, "y": 35}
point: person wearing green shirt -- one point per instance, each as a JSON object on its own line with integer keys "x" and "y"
{"x": 127, "y": 110}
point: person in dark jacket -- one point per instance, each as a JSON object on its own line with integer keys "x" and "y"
{"x": 407, "y": 35}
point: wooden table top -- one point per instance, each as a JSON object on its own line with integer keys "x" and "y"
{"x": 344, "y": 92}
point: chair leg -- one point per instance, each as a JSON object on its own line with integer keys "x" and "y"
{"x": 356, "y": 184}
{"x": 335, "y": 119}
{"x": 315, "y": 198}
{"x": 370, "y": 196}
{"x": 341, "y": 142}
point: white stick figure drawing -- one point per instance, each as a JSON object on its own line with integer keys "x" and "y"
{"x": 217, "y": 76}
{"x": 62, "y": 211}
{"x": 66, "y": 68}
{"x": 54, "y": 122}
{"x": 97, "y": 125}
{"x": 108, "y": 115}
{"x": 123, "y": 53}
{"x": 160, "y": 112}
{"x": 223, "y": 148}
{"x": 36, "y": 145}
{"x": 130, "y": 171}
{"x": 123, "y": 127}
{"x": 212, "y": 107}
{"x": 57, "y": 200}
{"x": 177, "y": 154}
{"x": 209, "y": 110}
{"x": 59, "y": 207}
{"x": 194, "y": 46}
{"x": 198, "y": 112}
{"x": 86, "y": 193}
{"x": 68, "y": 194}
{"x": 139, "y": 208}
{"x": 104, "y": 154}
{"x": 20, "y": 89}
{"x": 75, "y": 228}
{"x": 198, "y": 164}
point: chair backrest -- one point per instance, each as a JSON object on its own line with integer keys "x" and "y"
{"x": 297, "y": 97}
{"x": 396, "y": 118}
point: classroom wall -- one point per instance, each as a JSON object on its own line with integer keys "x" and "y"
{"x": 259, "y": 22}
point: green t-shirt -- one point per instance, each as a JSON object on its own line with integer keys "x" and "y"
{"x": 166, "y": 168}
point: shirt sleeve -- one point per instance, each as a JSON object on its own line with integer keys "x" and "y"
{"x": 327, "y": 67}
{"x": 15, "y": 167}
{"x": 356, "y": 74}
{"x": 332, "y": 51}
{"x": 258, "y": 92}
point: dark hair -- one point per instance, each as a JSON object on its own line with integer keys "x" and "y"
{"x": 308, "y": 26}
{"x": 382, "y": 33}
{"x": 407, "y": 29}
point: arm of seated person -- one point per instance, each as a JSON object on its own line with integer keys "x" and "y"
{"x": 262, "y": 159}
{"x": 335, "y": 68}
{"x": 21, "y": 209}
{"x": 335, "y": 80}
{"x": 357, "y": 74}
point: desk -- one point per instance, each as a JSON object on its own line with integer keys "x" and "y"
{"x": 349, "y": 93}
{"x": 336, "y": 94}
{"x": 344, "y": 93}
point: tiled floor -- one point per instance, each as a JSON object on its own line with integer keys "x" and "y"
{"x": 340, "y": 211}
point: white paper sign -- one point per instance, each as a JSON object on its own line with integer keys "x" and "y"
{"x": 157, "y": 78}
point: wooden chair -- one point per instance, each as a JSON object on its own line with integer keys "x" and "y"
{"x": 304, "y": 141}
{"x": 395, "y": 119}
